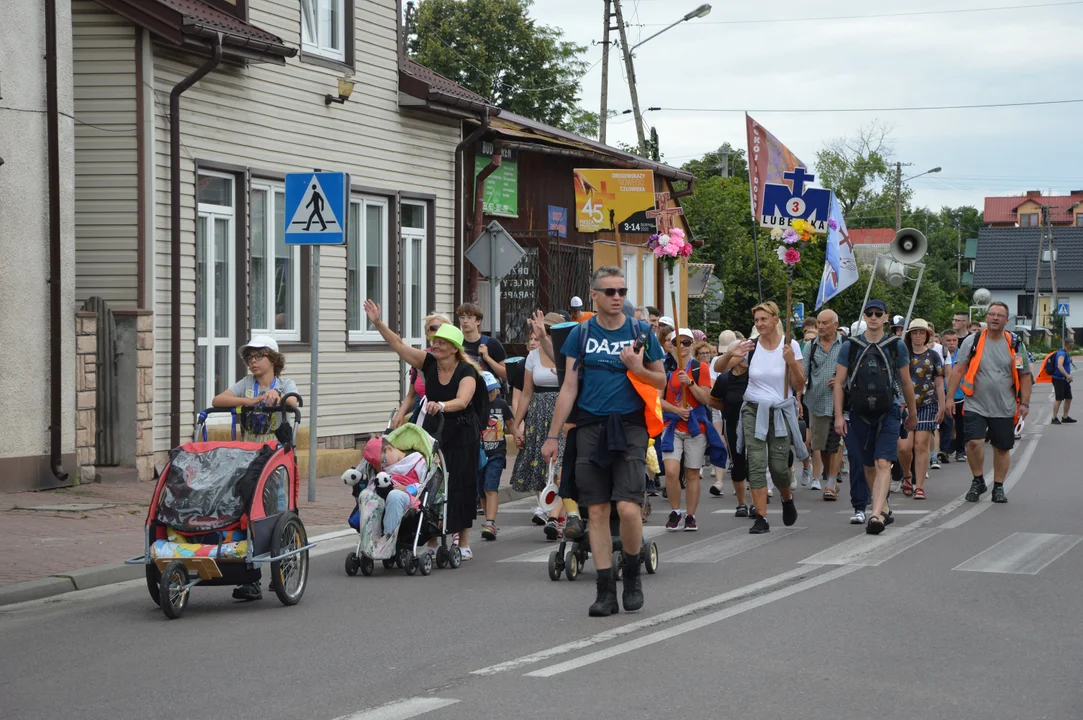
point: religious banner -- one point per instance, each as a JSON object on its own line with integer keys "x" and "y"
{"x": 778, "y": 180}
{"x": 621, "y": 194}
{"x": 840, "y": 267}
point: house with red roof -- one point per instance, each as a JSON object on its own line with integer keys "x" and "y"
{"x": 1026, "y": 210}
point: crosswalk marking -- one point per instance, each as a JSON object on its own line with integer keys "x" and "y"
{"x": 402, "y": 709}
{"x": 1021, "y": 554}
{"x": 718, "y": 548}
{"x": 871, "y": 550}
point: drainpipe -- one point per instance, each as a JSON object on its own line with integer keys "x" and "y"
{"x": 468, "y": 141}
{"x": 175, "y": 235}
{"x": 56, "y": 356}
{"x": 479, "y": 205}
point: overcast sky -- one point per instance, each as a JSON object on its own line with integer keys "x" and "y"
{"x": 1016, "y": 55}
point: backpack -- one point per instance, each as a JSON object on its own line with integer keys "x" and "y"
{"x": 652, "y": 406}
{"x": 1050, "y": 364}
{"x": 480, "y": 403}
{"x": 870, "y": 382}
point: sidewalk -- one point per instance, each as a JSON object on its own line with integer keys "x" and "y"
{"x": 76, "y": 538}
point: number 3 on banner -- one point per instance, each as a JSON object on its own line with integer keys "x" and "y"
{"x": 593, "y": 210}
{"x": 797, "y": 207}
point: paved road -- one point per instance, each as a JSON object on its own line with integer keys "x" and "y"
{"x": 957, "y": 611}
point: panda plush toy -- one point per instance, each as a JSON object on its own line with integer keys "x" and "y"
{"x": 383, "y": 484}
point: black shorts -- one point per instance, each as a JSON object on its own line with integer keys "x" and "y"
{"x": 624, "y": 480}
{"x": 1062, "y": 390}
{"x": 1001, "y": 430}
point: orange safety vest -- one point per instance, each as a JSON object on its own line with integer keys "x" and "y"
{"x": 967, "y": 384}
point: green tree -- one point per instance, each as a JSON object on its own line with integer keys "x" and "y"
{"x": 494, "y": 48}
{"x": 859, "y": 171}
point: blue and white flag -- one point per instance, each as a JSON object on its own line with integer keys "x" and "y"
{"x": 840, "y": 267}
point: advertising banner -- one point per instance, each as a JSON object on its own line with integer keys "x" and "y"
{"x": 628, "y": 193}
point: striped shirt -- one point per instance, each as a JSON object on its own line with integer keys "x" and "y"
{"x": 820, "y": 367}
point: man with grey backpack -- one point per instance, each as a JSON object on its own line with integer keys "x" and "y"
{"x": 870, "y": 367}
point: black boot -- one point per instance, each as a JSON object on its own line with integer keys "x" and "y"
{"x": 606, "y": 602}
{"x": 632, "y": 596}
{"x": 247, "y": 592}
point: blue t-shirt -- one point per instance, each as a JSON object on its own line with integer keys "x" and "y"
{"x": 1057, "y": 374}
{"x": 606, "y": 388}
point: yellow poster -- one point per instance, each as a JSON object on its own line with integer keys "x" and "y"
{"x": 629, "y": 194}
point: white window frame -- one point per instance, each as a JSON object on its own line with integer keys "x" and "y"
{"x": 649, "y": 264}
{"x": 363, "y": 335}
{"x": 276, "y": 193}
{"x": 409, "y": 235}
{"x": 630, "y": 266}
{"x": 211, "y": 341}
{"x": 320, "y": 43}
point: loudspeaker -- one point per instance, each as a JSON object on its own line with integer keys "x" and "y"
{"x": 982, "y": 297}
{"x": 908, "y": 247}
{"x": 893, "y": 272}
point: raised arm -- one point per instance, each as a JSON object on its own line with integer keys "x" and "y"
{"x": 410, "y": 355}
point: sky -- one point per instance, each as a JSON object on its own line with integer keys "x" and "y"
{"x": 1029, "y": 53}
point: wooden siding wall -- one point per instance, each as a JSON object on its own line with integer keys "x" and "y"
{"x": 106, "y": 188}
{"x": 273, "y": 118}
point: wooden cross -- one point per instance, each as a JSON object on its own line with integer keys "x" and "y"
{"x": 663, "y": 214}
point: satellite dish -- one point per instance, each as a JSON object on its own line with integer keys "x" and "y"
{"x": 982, "y": 297}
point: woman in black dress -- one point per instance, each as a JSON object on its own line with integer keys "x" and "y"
{"x": 450, "y": 382}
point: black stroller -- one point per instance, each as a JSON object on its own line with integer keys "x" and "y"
{"x": 571, "y": 555}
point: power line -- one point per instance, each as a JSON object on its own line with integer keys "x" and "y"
{"x": 130, "y": 129}
{"x": 856, "y": 110}
{"x": 881, "y": 15}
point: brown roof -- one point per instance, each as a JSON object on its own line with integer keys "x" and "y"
{"x": 871, "y": 236}
{"x": 179, "y": 21}
{"x": 1004, "y": 209}
{"x": 439, "y": 83}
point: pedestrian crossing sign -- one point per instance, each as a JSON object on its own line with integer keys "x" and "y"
{"x": 1062, "y": 310}
{"x": 316, "y": 208}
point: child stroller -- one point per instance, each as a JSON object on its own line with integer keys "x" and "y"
{"x": 570, "y": 560}
{"x": 222, "y": 509}
{"x": 419, "y": 524}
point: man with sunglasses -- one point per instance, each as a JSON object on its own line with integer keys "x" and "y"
{"x": 611, "y": 430}
{"x": 486, "y": 351}
{"x": 875, "y": 441}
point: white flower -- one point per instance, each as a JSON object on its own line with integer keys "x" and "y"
{"x": 776, "y": 234}
{"x": 781, "y": 252}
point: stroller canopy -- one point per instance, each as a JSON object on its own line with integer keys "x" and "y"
{"x": 411, "y": 438}
{"x": 209, "y": 487}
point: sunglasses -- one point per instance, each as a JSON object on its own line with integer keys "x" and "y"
{"x": 686, "y": 343}
{"x": 874, "y": 313}
{"x": 433, "y": 328}
{"x": 610, "y": 292}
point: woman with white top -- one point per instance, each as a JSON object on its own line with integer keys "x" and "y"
{"x": 769, "y": 424}
{"x": 533, "y": 415}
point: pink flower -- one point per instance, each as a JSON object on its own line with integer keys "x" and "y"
{"x": 677, "y": 242}
{"x": 672, "y": 250}
{"x": 792, "y": 257}
{"x": 790, "y": 236}
{"x": 686, "y": 251}
{"x": 676, "y": 234}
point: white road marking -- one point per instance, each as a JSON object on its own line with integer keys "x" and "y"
{"x": 541, "y": 555}
{"x": 1021, "y": 554}
{"x": 402, "y": 709}
{"x": 871, "y": 550}
{"x": 691, "y": 625}
{"x": 1013, "y": 477}
{"x": 644, "y": 624}
{"x": 718, "y": 548}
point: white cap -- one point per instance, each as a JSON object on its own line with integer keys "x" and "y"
{"x": 577, "y": 302}
{"x": 858, "y": 327}
{"x": 259, "y": 341}
{"x": 667, "y": 321}
{"x": 685, "y": 332}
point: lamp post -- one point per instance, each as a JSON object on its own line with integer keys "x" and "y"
{"x": 629, "y": 67}
{"x": 898, "y": 190}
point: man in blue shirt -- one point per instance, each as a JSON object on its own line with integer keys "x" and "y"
{"x": 1062, "y": 381}
{"x": 611, "y": 430}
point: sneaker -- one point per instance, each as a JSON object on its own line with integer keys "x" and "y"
{"x": 488, "y": 531}
{"x": 552, "y": 529}
{"x": 759, "y": 527}
{"x": 1055, "y": 421}
{"x": 674, "y": 521}
{"x": 573, "y": 528}
{"x": 806, "y": 476}
{"x": 858, "y": 518}
{"x": 742, "y": 511}
{"x": 247, "y": 592}
{"x": 960, "y": 457}
{"x": 934, "y": 462}
{"x": 466, "y": 553}
{"x": 540, "y": 516}
{"x": 998, "y": 493}
{"x": 977, "y": 488}
{"x": 1068, "y": 420}
{"x": 770, "y": 492}
{"x": 896, "y": 485}
{"x": 943, "y": 457}
{"x": 789, "y": 512}
{"x": 815, "y": 485}
{"x": 690, "y": 524}
{"x": 845, "y": 466}
{"x": 716, "y": 488}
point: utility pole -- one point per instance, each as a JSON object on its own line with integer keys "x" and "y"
{"x": 898, "y": 196}
{"x": 1054, "y": 303}
{"x": 1037, "y": 277}
{"x": 603, "y": 117}
{"x": 631, "y": 72}
{"x": 959, "y": 252}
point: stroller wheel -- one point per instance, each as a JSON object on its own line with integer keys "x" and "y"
{"x": 154, "y": 581}
{"x": 618, "y": 566}
{"x": 401, "y": 559}
{"x": 388, "y": 563}
{"x": 353, "y": 564}
{"x": 650, "y": 558}
{"x": 554, "y": 565}
{"x": 412, "y": 565}
{"x": 289, "y": 576}
{"x": 426, "y": 564}
{"x": 571, "y": 565}
{"x": 441, "y": 557}
{"x": 367, "y": 565}
{"x": 173, "y": 589}
{"x": 454, "y": 557}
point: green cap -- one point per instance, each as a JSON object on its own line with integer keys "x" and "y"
{"x": 450, "y": 333}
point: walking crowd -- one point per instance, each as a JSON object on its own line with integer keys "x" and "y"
{"x": 602, "y": 396}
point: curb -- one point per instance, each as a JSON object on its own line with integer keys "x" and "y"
{"x": 100, "y": 575}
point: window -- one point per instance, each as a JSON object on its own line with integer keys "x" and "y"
{"x": 630, "y": 266}
{"x": 1024, "y": 305}
{"x": 275, "y": 268}
{"x": 648, "y": 279}
{"x": 324, "y": 28}
{"x": 1079, "y": 219}
{"x": 1028, "y": 220}
{"x": 414, "y": 271}
{"x": 215, "y": 287}
{"x": 366, "y": 265}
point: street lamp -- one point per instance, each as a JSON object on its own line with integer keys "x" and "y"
{"x": 898, "y": 190}
{"x": 702, "y": 11}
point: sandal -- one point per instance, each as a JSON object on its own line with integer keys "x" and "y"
{"x": 831, "y": 494}
{"x": 875, "y": 526}
{"x": 919, "y": 493}
{"x": 908, "y": 486}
